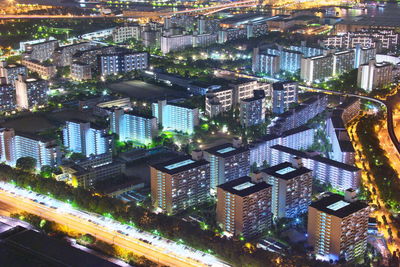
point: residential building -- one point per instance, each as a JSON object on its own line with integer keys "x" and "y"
{"x": 133, "y": 126}
{"x": 374, "y": 75}
{"x": 343, "y": 61}
{"x": 227, "y": 162}
{"x": 90, "y": 56}
{"x": 317, "y": 68}
{"x": 204, "y": 39}
{"x": 175, "y": 42}
{"x": 41, "y": 51}
{"x": 339, "y": 175}
{"x": 284, "y": 94}
{"x": 252, "y": 110}
{"x": 175, "y": 116}
{"x": 291, "y": 189}
{"x": 299, "y": 138}
{"x": 298, "y": 115}
{"x": 7, "y": 97}
{"x": 350, "y": 108}
{"x": 81, "y": 71}
{"x": 363, "y": 55}
{"x": 124, "y": 33}
{"x": 17, "y": 145}
{"x": 218, "y": 101}
{"x": 243, "y": 88}
{"x": 122, "y": 62}
{"x": 268, "y": 64}
{"x": 338, "y": 227}
{"x": 179, "y": 183}
{"x": 11, "y": 71}
{"x": 31, "y": 92}
{"x": 244, "y": 207}
{"x": 45, "y": 70}
{"x": 62, "y": 56}
{"x": 86, "y": 138}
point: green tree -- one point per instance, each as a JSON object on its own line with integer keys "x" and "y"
{"x": 77, "y": 156}
{"x": 26, "y": 163}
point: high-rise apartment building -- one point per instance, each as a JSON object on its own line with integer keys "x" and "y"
{"x": 86, "y": 138}
{"x": 244, "y": 207}
{"x": 291, "y": 189}
{"x": 317, "y": 68}
{"x": 252, "y": 110}
{"x": 7, "y": 97}
{"x": 284, "y": 94}
{"x": 176, "y": 116}
{"x": 175, "y": 42}
{"x": 218, "y": 101}
{"x": 268, "y": 64}
{"x": 17, "y": 145}
{"x": 374, "y": 75}
{"x": 338, "y": 227}
{"x": 11, "y": 72}
{"x": 124, "y": 33}
{"x": 41, "y": 51}
{"x": 31, "y": 92}
{"x": 179, "y": 183}
{"x": 227, "y": 162}
{"x": 343, "y": 61}
{"x": 132, "y": 126}
{"x": 339, "y": 175}
{"x": 81, "y": 71}
{"x": 122, "y": 62}
{"x": 62, "y": 55}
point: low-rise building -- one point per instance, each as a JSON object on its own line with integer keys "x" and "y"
{"x": 45, "y": 70}
{"x": 11, "y": 71}
{"x": 81, "y": 71}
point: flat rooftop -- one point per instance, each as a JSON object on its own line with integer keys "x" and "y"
{"x": 243, "y": 186}
{"x": 336, "y": 205}
{"x": 179, "y": 164}
{"x": 286, "y": 171}
{"x": 226, "y": 150}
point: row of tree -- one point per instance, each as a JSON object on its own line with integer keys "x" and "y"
{"x": 232, "y": 250}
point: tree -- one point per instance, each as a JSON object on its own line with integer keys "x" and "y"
{"x": 77, "y": 156}
{"x": 26, "y": 163}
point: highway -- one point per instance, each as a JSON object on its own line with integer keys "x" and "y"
{"x": 155, "y": 248}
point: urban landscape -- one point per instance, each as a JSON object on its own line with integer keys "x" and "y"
{"x": 199, "y": 133}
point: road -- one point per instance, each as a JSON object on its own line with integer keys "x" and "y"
{"x": 153, "y": 247}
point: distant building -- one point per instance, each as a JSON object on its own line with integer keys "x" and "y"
{"x": 7, "y": 97}
{"x": 244, "y": 207}
{"x": 218, "y": 101}
{"x": 268, "y": 64}
{"x": 252, "y": 110}
{"x": 86, "y": 138}
{"x": 327, "y": 171}
{"x": 45, "y": 70}
{"x": 62, "y": 56}
{"x": 124, "y": 33}
{"x": 298, "y": 115}
{"x": 343, "y": 61}
{"x": 17, "y": 145}
{"x": 179, "y": 184}
{"x": 291, "y": 189}
{"x": 204, "y": 39}
{"x": 122, "y": 62}
{"x": 374, "y": 75}
{"x": 176, "y": 116}
{"x": 81, "y": 71}
{"x": 31, "y": 92}
{"x": 298, "y": 138}
{"x": 243, "y": 88}
{"x": 175, "y": 42}
{"x": 284, "y": 94}
{"x": 338, "y": 227}
{"x": 131, "y": 126}
{"x": 227, "y": 162}
{"x": 317, "y": 68}
{"x": 41, "y": 51}
{"x": 11, "y": 71}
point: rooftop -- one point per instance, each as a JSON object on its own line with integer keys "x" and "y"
{"x": 226, "y": 150}
{"x": 243, "y": 186}
{"x": 285, "y": 171}
{"x": 336, "y": 205}
{"x": 179, "y": 164}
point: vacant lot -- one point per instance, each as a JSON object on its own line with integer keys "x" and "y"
{"x": 146, "y": 91}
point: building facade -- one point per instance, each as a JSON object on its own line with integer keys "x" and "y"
{"x": 252, "y": 110}
{"x": 374, "y": 75}
{"x": 31, "y": 92}
{"x": 338, "y": 228}
{"x": 244, "y": 207}
{"x": 179, "y": 184}
{"x": 284, "y": 94}
{"x": 122, "y": 62}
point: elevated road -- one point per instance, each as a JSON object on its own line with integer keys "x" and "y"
{"x": 155, "y": 248}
